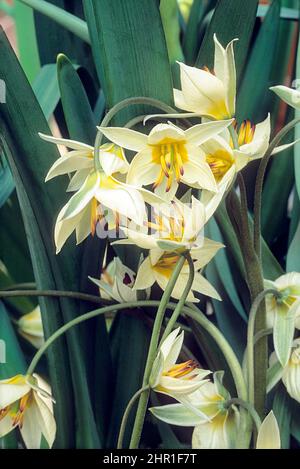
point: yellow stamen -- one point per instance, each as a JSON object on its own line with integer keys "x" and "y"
{"x": 220, "y": 162}
{"x": 181, "y": 369}
{"x": 171, "y": 155}
{"x": 94, "y": 215}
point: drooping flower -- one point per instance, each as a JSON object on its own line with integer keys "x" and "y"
{"x": 216, "y": 425}
{"x": 283, "y": 313}
{"x": 26, "y": 403}
{"x": 80, "y": 160}
{"x": 269, "y": 435}
{"x": 176, "y": 226}
{"x": 168, "y": 156}
{"x": 87, "y": 206}
{"x": 289, "y": 95}
{"x": 253, "y": 141}
{"x": 30, "y": 326}
{"x": 168, "y": 377}
{"x": 117, "y": 282}
{"x": 209, "y": 93}
{"x": 159, "y": 265}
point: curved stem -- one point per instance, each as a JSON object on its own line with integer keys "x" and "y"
{"x": 55, "y": 294}
{"x": 250, "y": 340}
{"x": 248, "y": 407}
{"x": 260, "y": 180}
{"x": 19, "y": 286}
{"x": 117, "y": 108}
{"x": 127, "y": 413}
{"x": 143, "y": 401}
{"x": 180, "y": 304}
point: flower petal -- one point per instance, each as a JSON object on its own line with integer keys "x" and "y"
{"x": 12, "y": 389}
{"x": 200, "y": 133}
{"x": 125, "y": 138}
{"x": 142, "y": 170}
{"x": 67, "y": 143}
{"x": 145, "y": 277}
{"x": 269, "y": 435}
{"x": 69, "y": 164}
{"x": 289, "y": 95}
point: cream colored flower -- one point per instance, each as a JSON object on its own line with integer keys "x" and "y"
{"x": 283, "y": 313}
{"x": 159, "y": 265}
{"x": 253, "y": 141}
{"x": 87, "y": 206}
{"x": 30, "y": 326}
{"x": 81, "y": 161}
{"x": 26, "y": 403}
{"x": 269, "y": 435}
{"x": 289, "y": 95}
{"x": 176, "y": 380}
{"x": 291, "y": 372}
{"x": 210, "y": 94}
{"x": 168, "y": 156}
{"x": 216, "y": 425}
{"x": 117, "y": 282}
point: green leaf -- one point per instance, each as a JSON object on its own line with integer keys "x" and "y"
{"x": 77, "y": 110}
{"x": 40, "y": 204}
{"x": 231, "y": 19}
{"x": 253, "y": 94}
{"x": 129, "y": 342}
{"x": 285, "y": 13}
{"x": 6, "y": 181}
{"x": 282, "y": 408}
{"x": 191, "y": 37}
{"x": 46, "y": 90}
{"x": 126, "y": 29}
{"x": 293, "y": 257}
{"x": 72, "y": 23}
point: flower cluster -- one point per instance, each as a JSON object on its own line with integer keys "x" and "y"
{"x": 160, "y": 200}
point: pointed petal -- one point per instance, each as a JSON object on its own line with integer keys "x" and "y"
{"x": 269, "y": 435}
{"x": 201, "y": 285}
{"x": 289, "y": 95}
{"x": 67, "y": 143}
{"x": 69, "y": 164}
{"x": 12, "y": 389}
{"x": 200, "y": 133}
{"x": 125, "y": 138}
{"x": 142, "y": 170}
{"x": 145, "y": 277}
{"x": 176, "y": 414}
{"x": 83, "y": 197}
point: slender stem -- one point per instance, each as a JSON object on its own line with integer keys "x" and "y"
{"x": 260, "y": 180}
{"x": 143, "y": 401}
{"x": 250, "y": 341}
{"x": 121, "y": 105}
{"x": 256, "y": 286}
{"x": 181, "y": 302}
{"x": 127, "y": 413}
{"x": 234, "y": 136}
{"x": 248, "y": 407}
{"x": 19, "y": 286}
{"x": 53, "y": 293}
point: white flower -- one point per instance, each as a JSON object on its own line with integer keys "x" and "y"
{"x": 26, "y": 403}
{"x": 269, "y": 435}
{"x": 176, "y": 380}
{"x": 205, "y": 409}
{"x": 291, "y": 372}
{"x": 168, "y": 156}
{"x": 117, "y": 282}
{"x": 289, "y": 95}
{"x": 211, "y": 94}
{"x": 159, "y": 265}
{"x": 283, "y": 313}
{"x": 30, "y": 326}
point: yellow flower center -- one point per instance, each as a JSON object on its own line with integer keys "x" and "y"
{"x": 245, "y": 133}
{"x": 17, "y": 410}
{"x": 171, "y": 155}
{"x": 166, "y": 263}
{"x": 220, "y": 162}
{"x": 182, "y": 369}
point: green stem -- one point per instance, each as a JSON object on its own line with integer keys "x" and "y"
{"x": 19, "y": 286}
{"x": 250, "y": 341}
{"x": 143, "y": 401}
{"x": 256, "y": 285}
{"x": 117, "y": 108}
{"x": 127, "y": 413}
{"x": 260, "y": 180}
{"x": 182, "y": 300}
{"x": 53, "y": 293}
{"x": 234, "y": 136}
{"x": 248, "y": 407}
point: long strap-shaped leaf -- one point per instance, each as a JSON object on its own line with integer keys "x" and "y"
{"x": 231, "y": 19}
{"x": 29, "y": 159}
{"x": 131, "y": 56}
